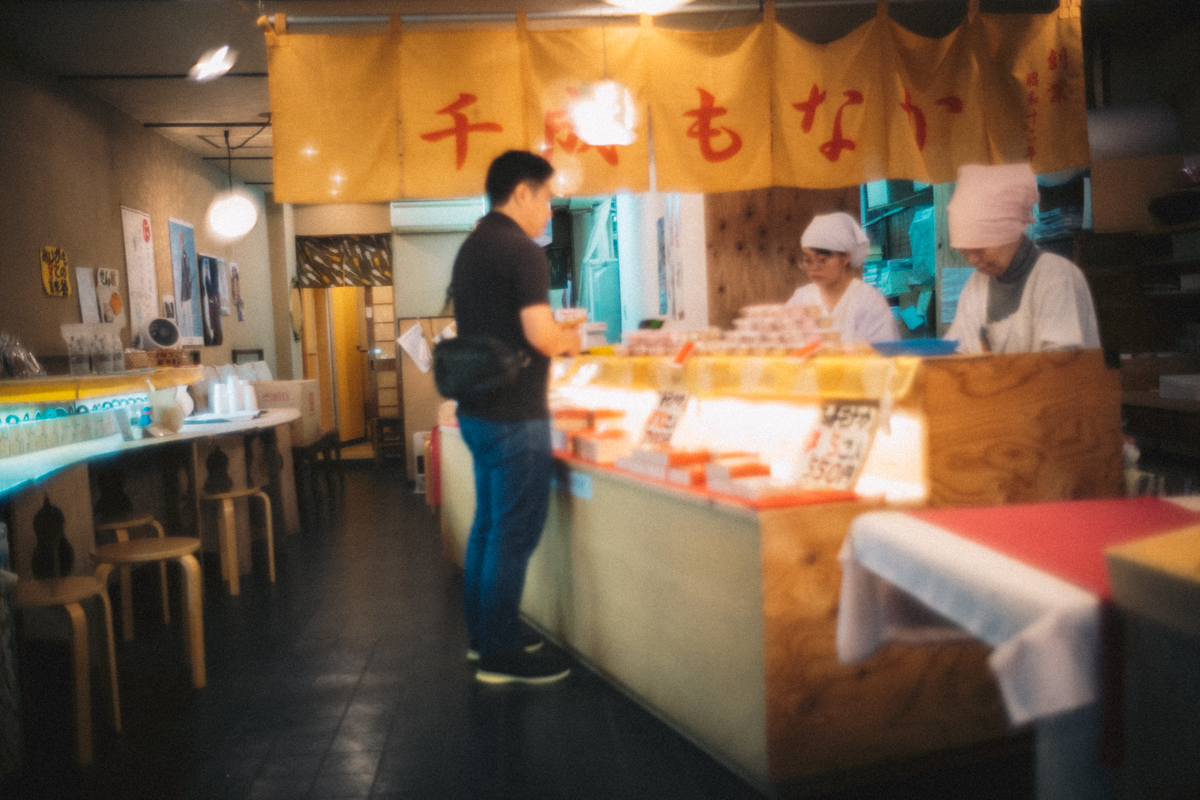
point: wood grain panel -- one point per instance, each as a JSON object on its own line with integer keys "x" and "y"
{"x": 1021, "y": 428}
{"x": 753, "y": 243}
{"x": 823, "y": 716}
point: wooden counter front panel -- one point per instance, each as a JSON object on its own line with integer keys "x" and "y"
{"x": 824, "y": 716}
{"x": 1022, "y": 428}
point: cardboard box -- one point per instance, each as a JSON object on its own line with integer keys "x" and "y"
{"x": 304, "y": 396}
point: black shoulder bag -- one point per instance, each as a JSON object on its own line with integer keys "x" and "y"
{"x": 469, "y": 368}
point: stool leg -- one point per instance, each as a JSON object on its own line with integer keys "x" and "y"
{"x": 229, "y": 546}
{"x": 193, "y": 612}
{"x": 112, "y": 661}
{"x": 270, "y": 535}
{"x": 162, "y": 575}
{"x": 83, "y": 688}
{"x": 126, "y": 592}
{"x": 126, "y": 603}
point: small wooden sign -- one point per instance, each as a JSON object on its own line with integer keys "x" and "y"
{"x": 660, "y": 425}
{"x": 837, "y": 447}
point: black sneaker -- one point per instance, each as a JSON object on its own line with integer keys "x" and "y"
{"x": 521, "y": 667}
{"x": 530, "y": 643}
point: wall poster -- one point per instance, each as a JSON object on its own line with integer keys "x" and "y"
{"x": 188, "y": 314}
{"x": 210, "y": 299}
{"x": 235, "y": 290}
{"x": 108, "y": 296}
{"x": 223, "y": 287}
{"x": 139, "y": 274}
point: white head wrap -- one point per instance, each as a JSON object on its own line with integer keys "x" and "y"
{"x": 992, "y": 205}
{"x": 840, "y": 233}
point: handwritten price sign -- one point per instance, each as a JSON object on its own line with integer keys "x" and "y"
{"x": 660, "y": 425}
{"x": 54, "y": 272}
{"x": 838, "y": 444}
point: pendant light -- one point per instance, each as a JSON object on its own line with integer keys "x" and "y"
{"x": 604, "y": 112}
{"x": 233, "y": 212}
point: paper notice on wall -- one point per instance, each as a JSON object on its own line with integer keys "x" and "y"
{"x": 88, "y": 310}
{"x": 139, "y": 274}
{"x": 108, "y": 297}
{"x": 412, "y": 341}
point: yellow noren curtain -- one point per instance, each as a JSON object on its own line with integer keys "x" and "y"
{"x": 422, "y": 114}
{"x": 334, "y": 117}
{"x": 461, "y": 103}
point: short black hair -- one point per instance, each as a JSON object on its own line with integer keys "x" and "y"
{"x": 509, "y": 170}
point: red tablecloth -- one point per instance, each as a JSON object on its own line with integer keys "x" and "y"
{"x": 1065, "y": 539}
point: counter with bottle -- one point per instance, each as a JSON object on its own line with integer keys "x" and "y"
{"x": 691, "y": 551}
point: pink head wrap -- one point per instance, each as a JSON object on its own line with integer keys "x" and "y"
{"x": 992, "y": 205}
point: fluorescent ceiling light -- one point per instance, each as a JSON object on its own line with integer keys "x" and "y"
{"x": 649, "y": 6}
{"x": 213, "y": 64}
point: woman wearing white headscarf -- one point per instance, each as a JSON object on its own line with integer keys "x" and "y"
{"x": 831, "y": 246}
{"x": 1019, "y": 299}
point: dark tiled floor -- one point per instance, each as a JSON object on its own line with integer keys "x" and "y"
{"x": 347, "y": 679}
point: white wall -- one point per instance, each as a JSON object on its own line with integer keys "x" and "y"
{"x": 637, "y": 239}
{"x": 421, "y": 265}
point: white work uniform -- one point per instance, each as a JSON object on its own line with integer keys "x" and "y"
{"x": 1055, "y": 312}
{"x": 861, "y": 315}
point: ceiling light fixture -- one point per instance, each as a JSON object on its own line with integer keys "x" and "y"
{"x": 213, "y": 64}
{"x": 604, "y": 113}
{"x": 232, "y": 213}
{"x": 648, "y": 6}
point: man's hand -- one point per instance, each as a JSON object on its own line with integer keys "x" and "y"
{"x": 546, "y": 335}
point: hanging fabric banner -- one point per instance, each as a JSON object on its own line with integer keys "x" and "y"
{"x": 562, "y": 67}
{"x": 350, "y": 260}
{"x": 711, "y": 109}
{"x": 740, "y": 108}
{"x": 462, "y": 104}
{"x": 832, "y": 104}
{"x": 1035, "y": 64}
{"x": 334, "y": 116}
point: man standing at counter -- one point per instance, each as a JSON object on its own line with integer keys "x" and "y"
{"x": 1019, "y": 299}
{"x": 501, "y": 285}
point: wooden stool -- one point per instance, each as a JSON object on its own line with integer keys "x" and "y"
{"x": 68, "y": 592}
{"x": 127, "y": 553}
{"x": 121, "y": 528}
{"x": 228, "y": 533}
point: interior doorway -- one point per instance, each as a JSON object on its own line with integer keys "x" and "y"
{"x": 335, "y": 353}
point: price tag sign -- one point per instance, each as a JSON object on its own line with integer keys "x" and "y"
{"x": 838, "y": 444}
{"x": 660, "y": 425}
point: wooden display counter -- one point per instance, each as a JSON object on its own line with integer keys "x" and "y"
{"x": 721, "y": 618}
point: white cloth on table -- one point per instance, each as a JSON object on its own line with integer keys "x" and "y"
{"x": 1056, "y": 312}
{"x": 1045, "y": 631}
{"x": 861, "y": 315}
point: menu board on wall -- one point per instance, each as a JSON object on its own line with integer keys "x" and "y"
{"x": 139, "y": 273}
{"x": 185, "y": 272}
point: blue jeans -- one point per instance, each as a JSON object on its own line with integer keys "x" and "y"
{"x": 512, "y": 493}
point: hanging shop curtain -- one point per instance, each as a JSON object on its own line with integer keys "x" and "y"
{"x": 462, "y": 104}
{"x": 559, "y": 65}
{"x": 732, "y": 109}
{"x": 334, "y": 115}
{"x": 354, "y": 260}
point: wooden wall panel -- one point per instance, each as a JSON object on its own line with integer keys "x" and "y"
{"x": 753, "y": 244}
{"x": 1021, "y": 428}
{"x": 827, "y": 717}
